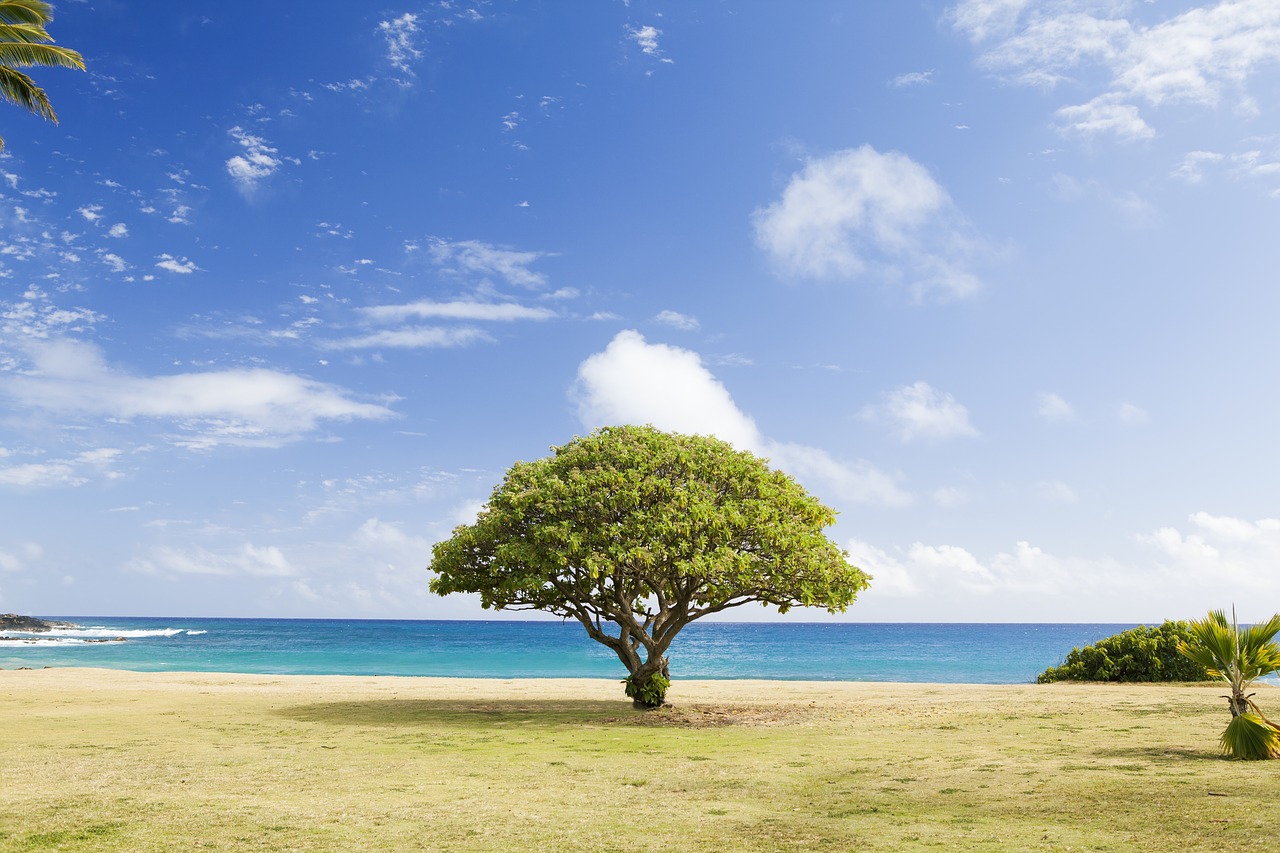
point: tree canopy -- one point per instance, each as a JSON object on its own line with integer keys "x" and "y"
{"x": 24, "y": 42}
{"x": 635, "y": 533}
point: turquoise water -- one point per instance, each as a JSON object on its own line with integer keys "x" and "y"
{"x": 972, "y": 653}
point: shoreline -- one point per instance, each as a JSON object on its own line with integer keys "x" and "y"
{"x": 692, "y": 689}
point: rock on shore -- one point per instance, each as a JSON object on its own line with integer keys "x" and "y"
{"x": 30, "y": 624}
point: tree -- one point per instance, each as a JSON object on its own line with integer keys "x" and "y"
{"x": 636, "y": 533}
{"x": 1239, "y": 656}
{"x": 1139, "y": 654}
{"x": 23, "y": 43}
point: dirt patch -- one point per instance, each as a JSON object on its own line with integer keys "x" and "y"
{"x": 700, "y": 716}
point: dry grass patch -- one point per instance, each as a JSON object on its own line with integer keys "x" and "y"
{"x": 97, "y": 760}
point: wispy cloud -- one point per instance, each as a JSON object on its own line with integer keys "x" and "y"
{"x": 425, "y": 337}
{"x": 475, "y": 257}
{"x": 482, "y": 311}
{"x": 244, "y": 406}
{"x": 1053, "y": 408}
{"x": 860, "y": 212}
{"x": 401, "y": 35}
{"x": 913, "y": 78}
{"x": 676, "y": 320}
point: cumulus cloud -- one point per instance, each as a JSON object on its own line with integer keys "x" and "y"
{"x": 1193, "y": 57}
{"x": 256, "y": 163}
{"x": 918, "y": 411}
{"x": 859, "y": 212}
{"x": 182, "y": 266}
{"x": 474, "y": 257}
{"x": 1233, "y": 557}
{"x": 634, "y": 382}
{"x": 245, "y": 406}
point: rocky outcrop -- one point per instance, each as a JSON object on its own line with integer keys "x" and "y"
{"x": 30, "y": 624}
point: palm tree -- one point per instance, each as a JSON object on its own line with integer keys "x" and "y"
{"x": 23, "y": 43}
{"x": 1239, "y": 656}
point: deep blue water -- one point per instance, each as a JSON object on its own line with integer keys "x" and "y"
{"x": 974, "y": 653}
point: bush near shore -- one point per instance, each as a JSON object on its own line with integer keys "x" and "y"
{"x": 1139, "y": 654}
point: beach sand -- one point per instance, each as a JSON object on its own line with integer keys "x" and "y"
{"x": 109, "y": 760}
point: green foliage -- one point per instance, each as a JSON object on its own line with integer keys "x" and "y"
{"x": 636, "y": 532}
{"x": 1139, "y": 654}
{"x": 1251, "y": 736}
{"x": 652, "y": 693}
{"x": 1239, "y": 656}
{"x": 23, "y": 43}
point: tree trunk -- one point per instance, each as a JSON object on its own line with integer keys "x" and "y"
{"x": 647, "y": 685}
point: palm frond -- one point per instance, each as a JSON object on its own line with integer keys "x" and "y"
{"x": 24, "y": 54}
{"x": 18, "y": 88}
{"x": 35, "y": 12}
{"x": 1250, "y": 737}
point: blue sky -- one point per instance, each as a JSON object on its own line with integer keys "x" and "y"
{"x": 288, "y": 289}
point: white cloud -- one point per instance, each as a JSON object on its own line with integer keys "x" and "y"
{"x": 69, "y": 472}
{"x": 635, "y": 382}
{"x": 676, "y": 320}
{"x": 1132, "y": 415}
{"x": 247, "y": 560}
{"x": 920, "y": 412}
{"x": 415, "y": 338}
{"x": 1233, "y": 558}
{"x": 258, "y": 162}
{"x": 950, "y": 496}
{"x": 91, "y": 212}
{"x": 28, "y": 553}
{"x": 401, "y": 35}
{"x": 914, "y": 78}
{"x": 1053, "y": 408}
{"x": 1191, "y": 57}
{"x": 247, "y": 407}
{"x": 1191, "y": 169}
{"x": 466, "y": 257}
{"x": 647, "y": 38}
{"x": 859, "y": 211}
{"x": 118, "y": 230}
{"x": 182, "y": 266}
{"x": 1104, "y": 115}
{"x": 482, "y": 311}
{"x": 1056, "y": 491}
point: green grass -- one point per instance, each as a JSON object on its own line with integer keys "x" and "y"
{"x": 133, "y": 762}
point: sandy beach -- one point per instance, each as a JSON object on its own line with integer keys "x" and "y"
{"x": 101, "y": 759}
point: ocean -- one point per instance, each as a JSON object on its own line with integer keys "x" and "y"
{"x": 819, "y": 651}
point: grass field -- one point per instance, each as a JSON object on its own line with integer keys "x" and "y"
{"x": 101, "y": 760}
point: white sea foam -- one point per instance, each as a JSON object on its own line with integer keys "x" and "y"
{"x": 103, "y": 632}
{"x": 196, "y": 633}
{"x": 83, "y": 633}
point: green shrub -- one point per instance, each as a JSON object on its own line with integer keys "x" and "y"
{"x": 1139, "y": 654}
